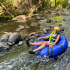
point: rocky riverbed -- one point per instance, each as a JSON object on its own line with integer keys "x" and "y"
{"x": 17, "y": 57}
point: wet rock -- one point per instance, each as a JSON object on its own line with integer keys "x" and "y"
{"x": 25, "y": 37}
{"x": 5, "y": 37}
{"x": 11, "y": 38}
{"x": 41, "y": 33}
{"x": 45, "y": 30}
{"x": 20, "y": 43}
{"x": 50, "y": 26}
{"x": 61, "y": 27}
{"x": 49, "y": 21}
{"x": 60, "y": 24}
{"x": 3, "y": 45}
{"x": 58, "y": 14}
{"x": 43, "y": 21}
{"x": 27, "y": 26}
{"x": 34, "y": 24}
{"x": 20, "y": 28}
{"x": 32, "y": 34}
{"x": 64, "y": 19}
{"x": 45, "y": 25}
{"x": 14, "y": 38}
{"x": 20, "y": 18}
{"x": 35, "y": 15}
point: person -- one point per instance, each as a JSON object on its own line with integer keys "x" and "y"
{"x": 53, "y": 39}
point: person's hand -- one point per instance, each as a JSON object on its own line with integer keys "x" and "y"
{"x": 51, "y": 45}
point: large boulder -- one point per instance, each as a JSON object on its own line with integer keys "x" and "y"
{"x": 5, "y": 37}
{"x": 14, "y": 38}
{"x": 11, "y": 38}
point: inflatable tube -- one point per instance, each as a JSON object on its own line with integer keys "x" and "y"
{"x": 57, "y": 49}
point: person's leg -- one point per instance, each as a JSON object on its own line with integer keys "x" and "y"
{"x": 42, "y": 46}
{"x": 36, "y": 44}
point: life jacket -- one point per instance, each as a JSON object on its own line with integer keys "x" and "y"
{"x": 53, "y": 37}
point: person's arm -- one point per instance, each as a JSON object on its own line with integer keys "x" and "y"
{"x": 55, "y": 41}
{"x": 46, "y": 37}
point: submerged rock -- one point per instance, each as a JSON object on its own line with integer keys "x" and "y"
{"x": 20, "y": 28}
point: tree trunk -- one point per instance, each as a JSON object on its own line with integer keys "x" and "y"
{"x": 55, "y": 3}
{"x": 30, "y": 3}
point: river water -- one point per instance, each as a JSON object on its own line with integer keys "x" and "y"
{"x": 18, "y": 58}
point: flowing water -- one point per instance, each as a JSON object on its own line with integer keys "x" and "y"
{"x": 17, "y": 58}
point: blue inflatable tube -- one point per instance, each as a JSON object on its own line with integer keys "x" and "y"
{"x": 55, "y": 50}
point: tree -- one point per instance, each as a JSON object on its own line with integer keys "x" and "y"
{"x": 55, "y": 4}
{"x": 30, "y": 3}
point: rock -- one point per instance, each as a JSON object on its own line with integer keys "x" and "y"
{"x": 35, "y": 15}
{"x": 3, "y": 45}
{"x": 49, "y": 21}
{"x": 25, "y": 37}
{"x": 20, "y": 28}
{"x": 45, "y": 25}
{"x": 60, "y": 24}
{"x": 32, "y": 34}
{"x": 43, "y": 21}
{"x": 27, "y": 26}
{"x": 41, "y": 33}
{"x": 61, "y": 27}
{"x": 11, "y": 38}
{"x": 20, "y": 43}
{"x": 58, "y": 14}
{"x": 5, "y": 37}
{"x": 5, "y": 32}
{"x": 14, "y": 38}
{"x": 64, "y": 19}
{"x": 34, "y": 24}
{"x": 45, "y": 30}
{"x": 20, "y": 18}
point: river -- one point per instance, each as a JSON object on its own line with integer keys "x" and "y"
{"x": 18, "y": 58}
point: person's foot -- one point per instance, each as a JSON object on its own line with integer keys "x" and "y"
{"x": 27, "y": 42}
{"x": 31, "y": 52}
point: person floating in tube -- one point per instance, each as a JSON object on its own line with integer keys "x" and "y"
{"x": 53, "y": 39}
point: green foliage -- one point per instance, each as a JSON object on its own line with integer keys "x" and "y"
{"x": 63, "y": 3}
{"x": 23, "y": 7}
